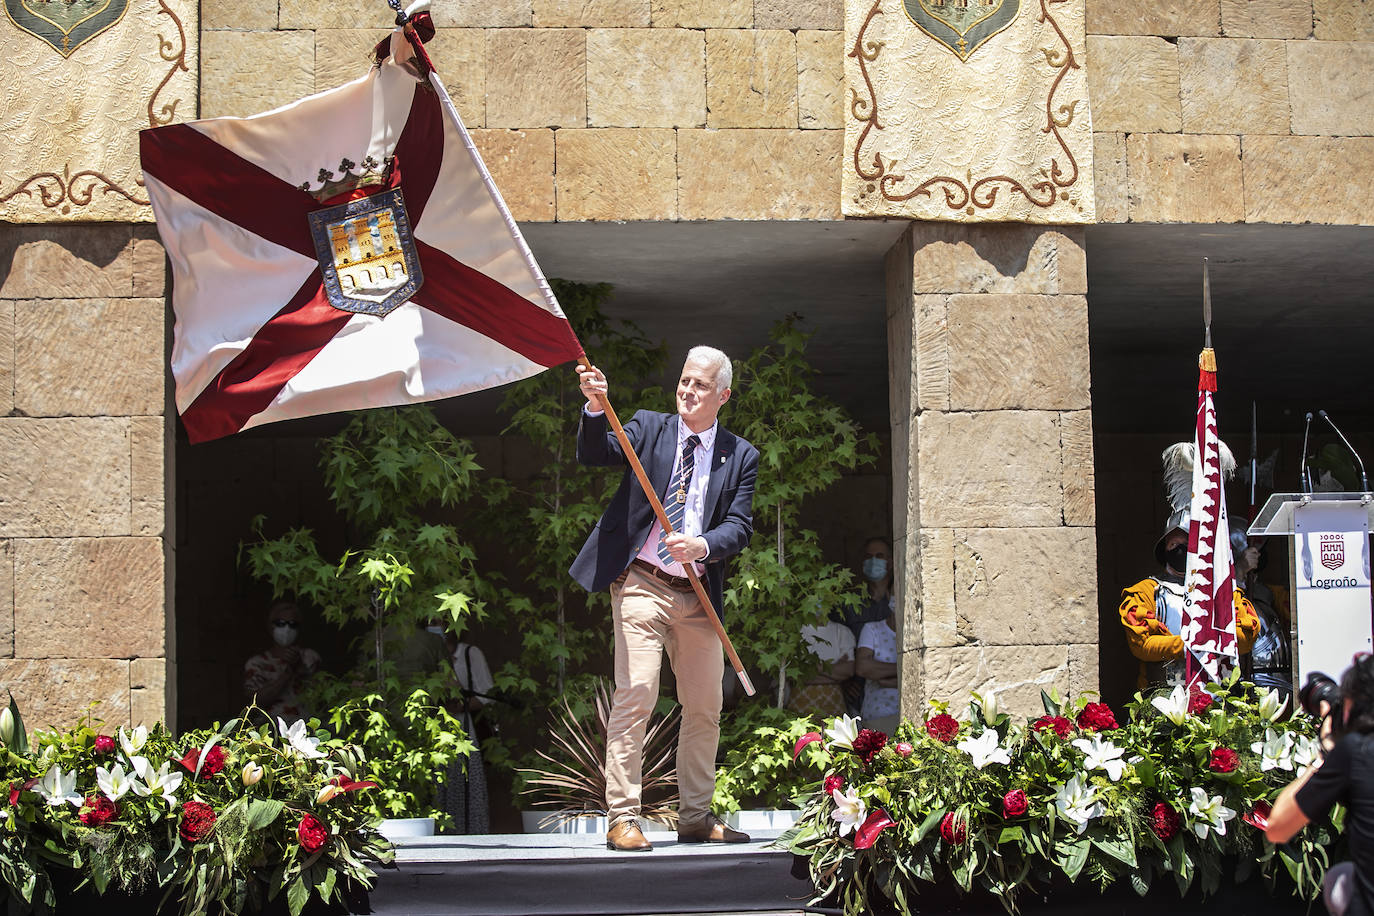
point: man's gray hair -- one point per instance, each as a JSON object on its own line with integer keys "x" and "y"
{"x": 716, "y": 361}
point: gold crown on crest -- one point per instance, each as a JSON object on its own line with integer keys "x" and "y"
{"x": 373, "y": 173}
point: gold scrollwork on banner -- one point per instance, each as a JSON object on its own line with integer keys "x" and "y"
{"x": 969, "y": 194}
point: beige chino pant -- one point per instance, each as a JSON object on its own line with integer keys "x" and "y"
{"x": 650, "y": 617}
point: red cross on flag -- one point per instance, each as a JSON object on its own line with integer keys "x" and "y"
{"x": 1209, "y": 617}
{"x": 348, "y": 250}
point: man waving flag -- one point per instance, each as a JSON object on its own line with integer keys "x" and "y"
{"x": 348, "y": 250}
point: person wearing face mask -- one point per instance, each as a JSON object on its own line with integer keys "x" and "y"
{"x": 273, "y": 677}
{"x": 876, "y": 605}
{"x": 1271, "y": 658}
{"x": 1152, "y": 609}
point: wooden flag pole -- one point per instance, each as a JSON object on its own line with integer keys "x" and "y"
{"x": 633, "y": 458}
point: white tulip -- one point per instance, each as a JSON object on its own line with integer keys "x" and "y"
{"x": 984, "y": 749}
{"x": 1100, "y": 754}
{"x": 850, "y": 809}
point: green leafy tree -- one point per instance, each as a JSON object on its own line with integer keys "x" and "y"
{"x": 782, "y": 580}
{"x": 389, "y": 472}
{"x": 546, "y": 518}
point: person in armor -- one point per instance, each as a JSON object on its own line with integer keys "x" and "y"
{"x": 1271, "y": 658}
{"x": 1152, "y": 609}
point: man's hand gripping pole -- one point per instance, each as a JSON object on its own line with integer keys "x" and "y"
{"x": 643, "y": 478}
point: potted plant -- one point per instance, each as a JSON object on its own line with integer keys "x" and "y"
{"x": 569, "y": 790}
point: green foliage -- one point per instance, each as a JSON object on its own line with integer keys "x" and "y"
{"x": 1153, "y": 799}
{"x": 253, "y": 787}
{"x": 782, "y": 580}
{"x": 389, "y": 471}
{"x": 545, "y": 519}
{"x": 759, "y": 771}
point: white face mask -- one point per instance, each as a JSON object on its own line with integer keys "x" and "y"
{"x": 283, "y": 636}
{"x": 875, "y": 568}
{"x": 437, "y": 631}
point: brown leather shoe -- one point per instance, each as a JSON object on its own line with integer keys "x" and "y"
{"x": 712, "y": 831}
{"x": 626, "y": 836}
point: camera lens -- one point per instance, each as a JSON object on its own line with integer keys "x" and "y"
{"x": 1320, "y": 688}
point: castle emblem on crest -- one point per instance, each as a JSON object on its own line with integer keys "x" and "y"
{"x": 1333, "y": 551}
{"x": 962, "y": 25}
{"x": 365, "y": 248}
{"x": 65, "y": 25}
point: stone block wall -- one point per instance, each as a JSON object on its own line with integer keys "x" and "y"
{"x": 992, "y": 463}
{"x": 1223, "y": 111}
{"x": 593, "y": 109}
{"x": 84, "y": 614}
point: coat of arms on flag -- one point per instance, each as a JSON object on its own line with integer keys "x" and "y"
{"x": 302, "y": 286}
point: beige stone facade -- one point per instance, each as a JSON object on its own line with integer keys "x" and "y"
{"x": 1202, "y": 112}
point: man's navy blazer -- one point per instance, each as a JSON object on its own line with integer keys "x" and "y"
{"x": 727, "y": 518}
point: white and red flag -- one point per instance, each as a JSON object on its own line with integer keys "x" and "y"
{"x": 348, "y": 250}
{"x": 1209, "y": 622}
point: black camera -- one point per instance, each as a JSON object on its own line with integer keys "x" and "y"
{"x": 1321, "y": 688}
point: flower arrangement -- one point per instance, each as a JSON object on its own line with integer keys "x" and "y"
{"x": 219, "y": 820}
{"x": 1181, "y": 789}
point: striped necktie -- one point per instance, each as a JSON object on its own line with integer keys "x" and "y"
{"x": 677, "y": 496}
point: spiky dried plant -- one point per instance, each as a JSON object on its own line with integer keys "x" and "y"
{"x": 575, "y": 781}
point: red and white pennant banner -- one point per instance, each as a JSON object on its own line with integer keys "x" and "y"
{"x": 1209, "y": 624}
{"x": 377, "y": 300}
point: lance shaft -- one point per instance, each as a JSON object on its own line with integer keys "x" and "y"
{"x": 633, "y": 458}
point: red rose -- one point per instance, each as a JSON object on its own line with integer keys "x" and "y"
{"x": 197, "y": 820}
{"x": 104, "y": 745}
{"x": 1061, "y": 726}
{"x": 312, "y": 833}
{"x": 97, "y": 810}
{"x": 869, "y": 743}
{"x": 953, "y": 830}
{"x": 833, "y": 782}
{"x": 214, "y": 761}
{"x": 943, "y": 728}
{"x": 1198, "y": 700}
{"x": 903, "y": 748}
{"x": 1097, "y": 717}
{"x": 1014, "y": 803}
{"x": 1224, "y": 760}
{"x": 1164, "y": 821}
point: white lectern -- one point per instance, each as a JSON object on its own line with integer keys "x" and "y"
{"x": 1328, "y": 574}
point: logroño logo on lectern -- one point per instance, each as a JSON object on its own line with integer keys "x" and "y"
{"x": 1333, "y": 551}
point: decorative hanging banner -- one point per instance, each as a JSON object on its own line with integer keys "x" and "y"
{"x": 88, "y": 76}
{"x": 967, "y": 111}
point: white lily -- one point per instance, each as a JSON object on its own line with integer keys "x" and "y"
{"x": 163, "y": 782}
{"x": 988, "y": 701}
{"x": 58, "y": 787}
{"x": 1209, "y": 813}
{"x": 850, "y": 809}
{"x": 1276, "y": 751}
{"x": 327, "y": 792}
{"x": 252, "y": 773}
{"x": 133, "y": 741}
{"x": 1077, "y": 801}
{"x": 984, "y": 749}
{"x": 842, "y": 732}
{"x": 301, "y": 741}
{"x": 114, "y": 782}
{"x": 1306, "y": 751}
{"x": 1174, "y": 706}
{"x": 6, "y": 726}
{"x": 1272, "y": 704}
{"x": 1100, "y": 754}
